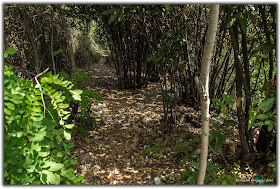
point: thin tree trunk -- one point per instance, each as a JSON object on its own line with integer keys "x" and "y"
{"x": 68, "y": 37}
{"x": 31, "y": 39}
{"x": 203, "y": 88}
{"x": 266, "y": 30}
{"x": 222, "y": 80}
{"x": 54, "y": 70}
{"x": 240, "y": 79}
{"x": 248, "y": 98}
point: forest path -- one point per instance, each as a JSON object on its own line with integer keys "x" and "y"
{"x": 128, "y": 122}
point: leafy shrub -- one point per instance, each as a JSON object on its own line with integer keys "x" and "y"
{"x": 37, "y": 139}
{"x": 266, "y": 109}
{"x": 214, "y": 175}
{"x": 222, "y": 105}
{"x": 182, "y": 148}
{"x": 223, "y": 179}
{"x": 155, "y": 150}
{"x": 216, "y": 135}
{"x": 86, "y": 118}
{"x": 272, "y": 164}
{"x": 83, "y": 117}
{"x": 266, "y": 114}
{"x": 216, "y": 140}
{"x": 189, "y": 176}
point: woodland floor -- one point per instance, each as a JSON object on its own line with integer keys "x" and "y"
{"x": 129, "y": 122}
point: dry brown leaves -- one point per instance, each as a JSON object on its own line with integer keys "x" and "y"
{"x": 114, "y": 151}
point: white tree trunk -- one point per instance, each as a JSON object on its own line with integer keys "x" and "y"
{"x": 203, "y": 88}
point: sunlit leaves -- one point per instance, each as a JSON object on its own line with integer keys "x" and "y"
{"x": 38, "y": 137}
{"x": 46, "y": 80}
{"x": 63, "y": 106}
{"x": 67, "y": 135}
{"x": 30, "y": 135}
{"x": 79, "y": 178}
{"x": 69, "y": 126}
{"x": 10, "y": 51}
{"x": 52, "y": 166}
{"x": 252, "y": 116}
{"x": 77, "y": 94}
{"x": 44, "y": 152}
{"x": 51, "y": 177}
{"x": 7, "y": 111}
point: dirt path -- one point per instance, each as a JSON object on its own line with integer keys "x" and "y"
{"x": 128, "y": 122}
{"x": 116, "y": 151}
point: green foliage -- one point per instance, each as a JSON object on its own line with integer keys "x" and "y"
{"x": 165, "y": 97}
{"x": 189, "y": 176}
{"x": 84, "y": 98}
{"x": 37, "y": 139}
{"x": 223, "y": 179}
{"x": 266, "y": 111}
{"x": 155, "y": 150}
{"x": 265, "y": 48}
{"x": 117, "y": 12}
{"x": 86, "y": 118}
{"x": 54, "y": 53}
{"x": 230, "y": 21}
{"x": 10, "y": 51}
{"x": 252, "y": 114}
{"x": 170, "y": 179}
{"x": 214, "y": 175}
{"x": 182, "y": 148}
{"x": 216, "y": 138}
{"x": 272, "y": 164}
{"x": 80, "y": 76}
{"x": 222, "y": 104}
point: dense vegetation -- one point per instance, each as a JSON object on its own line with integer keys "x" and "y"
{"x": 47, "y": 101}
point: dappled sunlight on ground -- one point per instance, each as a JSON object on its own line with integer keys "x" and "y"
{"x": 129, "y": 122}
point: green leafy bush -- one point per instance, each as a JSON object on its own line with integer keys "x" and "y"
{"x": 225, "y": 179}
{"x": 216, "y": 141}
{"x": 267, "y": 108}
{"x": 182, "y": 148}
{"x": 265, "y": 114}
{"x": 189, "y": 176}
{"x": 37, "y": 139}
{"x": 10, "y": 51}
{"x": 155, "y": 150}
{"x": 83, "y": 117}
{"x": 272, "y": 164}
{"x": 216, "y": 134}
